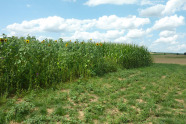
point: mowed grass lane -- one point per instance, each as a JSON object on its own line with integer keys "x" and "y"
{"x": 155, "y": 94}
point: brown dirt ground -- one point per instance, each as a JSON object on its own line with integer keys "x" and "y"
{"x": 172, "y": 59}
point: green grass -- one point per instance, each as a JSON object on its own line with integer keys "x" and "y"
{"x": 154, "y": 94}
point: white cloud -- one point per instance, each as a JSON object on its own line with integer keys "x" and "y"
{"x": 169, "y": 40}
{"x": 159, "y": 10}
{"x": 167, "y": 33}
{"x": 146, "y": 2}
{"x": 61, "y": 25}
{"x": 109, "y": 35}
{"x": 172, "y": 6}
{"x": 116, "y": 2}
{"x": 169, "y": 23}
{"x": 114, "y": 22}
{"x": 152, "y": 11}
{"x": 135, "y": 33}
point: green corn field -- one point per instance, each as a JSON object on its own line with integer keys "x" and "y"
{"x": 27, "y": 63}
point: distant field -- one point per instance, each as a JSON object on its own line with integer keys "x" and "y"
{"x": 170, "y": 58}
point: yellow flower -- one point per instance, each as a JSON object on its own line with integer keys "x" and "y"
{"x": 56, "y": 41}
{"x": 48, "y": 44}
{"x": 1, "y": 39}
{"x": 70, "y": 40}
{"x": 97, "y": 44}
{"x": 43, "y": 41}
{"x": 75, "y": 42}
{"x": 101, "y": 44}
{"x": 66, "y": 45}
{"x": 90, "y": 39}
{"x": 82, "y": 42}
{"x": 5, "y": 40}
{"x": 27, "y": 41}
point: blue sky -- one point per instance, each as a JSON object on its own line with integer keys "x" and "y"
{"x": 160, "y": 25}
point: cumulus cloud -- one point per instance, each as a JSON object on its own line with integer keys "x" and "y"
{"x": 172, "y": 6}
{"x": 152, "y": 11}
{"x": 61, "y": 25}
{"x": 108, "y": 35}
{"x": 167, "y": 33}
{"x": 116, "y": 2}
{"x": 169, "y": 23}
{"x": 169, "y": 40}
{"x": 146, "y": 2}
{"x": 135, "y": 33}
{"x": 159, "y": 10}
{"x": 110, "y": 22}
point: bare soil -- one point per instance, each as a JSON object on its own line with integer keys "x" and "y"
{"x": 172, "y": 59}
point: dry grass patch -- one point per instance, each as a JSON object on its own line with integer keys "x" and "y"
{"x": 96, "y": 121}
{"x": 163, "y": 77}
{"x": 113, "y": 111}
{"x": 65, "y": 90}
{"x": 123, "y": 89}
{"x": 50, "y": 111}
{"x": 19, "y": 100}
{"x": 140, "y": 101}
{"x": 81, "y": 115}
{"x": 143, "y": 88}
{"x": 107, "y": 85}
{"x": 121, "y": 79}
{"x": 94, "y": 99}
{"x": 71, "y": 101}
{"x": 180, "y": 100}
{"x": 137, "y": 109}
{"x": 12, "y": 122}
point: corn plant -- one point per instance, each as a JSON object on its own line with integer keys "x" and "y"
{"x": 26, "y": 63}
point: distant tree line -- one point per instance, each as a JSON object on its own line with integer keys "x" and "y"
{"x": 184, "y": 53}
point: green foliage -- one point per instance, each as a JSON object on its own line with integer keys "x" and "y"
{"x": 19, "y": 111}
{"x": 27, "y": 63}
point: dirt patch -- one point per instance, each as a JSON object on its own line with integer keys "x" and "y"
{"x": 81, "y": 115}
{"x": 121, "y": 79}
{"x": 96, "y": 121}
{"x": 163, "y": 77}
{"x": 65, "y": 90}
{"x": 50, "y": 110}
{"x": 107, "y": 85}
{"x": 94, "y": 99}
{"x": 137, "y": 109}
{"x": 143, "y": 88}
{"x": 140, "y": 101}
{"x": 113, "y": 111}
{"x": 67, "y": 116}
{"x": 19, "y": 100}
{"x": 171, "y": 59}
{"x": 123, "y": 89}
{"x": 180, "y": 100}
{"x": 12, "y": 122}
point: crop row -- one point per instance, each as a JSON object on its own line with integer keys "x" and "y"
{"x": 26, "y": 63}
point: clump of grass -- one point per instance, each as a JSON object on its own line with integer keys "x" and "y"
{"x": 27, "y": 63}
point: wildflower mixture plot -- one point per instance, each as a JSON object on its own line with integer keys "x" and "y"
{"x": 26, "y": 63}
